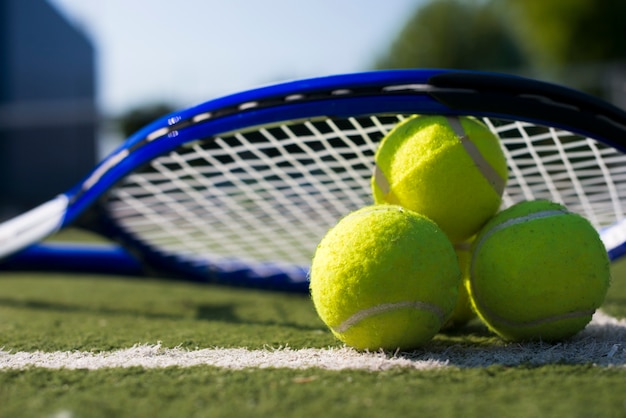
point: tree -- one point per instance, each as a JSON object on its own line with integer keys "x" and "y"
{"x": 560, "y": 33}
{"x": 579, "y": 43}
{"x": 454, "y": 34}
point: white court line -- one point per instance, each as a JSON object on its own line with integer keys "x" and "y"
{"x": 602, "y": 343}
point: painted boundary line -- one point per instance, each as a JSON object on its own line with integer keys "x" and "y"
{"x": 602, "y": 343}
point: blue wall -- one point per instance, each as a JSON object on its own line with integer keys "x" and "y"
{"x": 47, "y": 104}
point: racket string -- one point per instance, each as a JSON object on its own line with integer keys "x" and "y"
{"x": 270, "y": 194}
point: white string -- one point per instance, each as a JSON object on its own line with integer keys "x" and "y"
{"x": 272, "y": 193}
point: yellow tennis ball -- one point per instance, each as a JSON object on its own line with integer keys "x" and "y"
{"x": 538, "y": 272}
{"x": 463, "y": 311}
{"x": 384, "y": 277}
{"x": 450, "y": 169}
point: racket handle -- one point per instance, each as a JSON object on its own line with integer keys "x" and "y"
{"x": 32, "y": 226}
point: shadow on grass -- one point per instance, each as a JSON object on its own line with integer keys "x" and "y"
{"x": 67, "y": 308}
{"x": 601, "y": 343}
{"x": 225, "y": 313}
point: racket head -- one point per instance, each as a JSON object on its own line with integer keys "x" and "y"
{"x": 333, "y": 125}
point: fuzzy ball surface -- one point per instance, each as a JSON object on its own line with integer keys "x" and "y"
{"x": 463, "y": 311}
{"x": 538, "y": 272}
{"x": 450, "y": 169}
{"x": 384, "y": 277}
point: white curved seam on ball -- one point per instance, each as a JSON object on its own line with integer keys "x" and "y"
{"x": 542, "y": 321}
{"x": 514, "y": 221}
{"x": 385, "y": 187}
{"x": 388, "y": 307}
{"x": 494, "y": 179}
{"x": 381, "y": 180}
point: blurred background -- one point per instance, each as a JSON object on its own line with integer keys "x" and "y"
{"x": 78, "y": 76}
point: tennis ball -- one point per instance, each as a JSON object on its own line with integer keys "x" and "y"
{"x": 450, "y": 169}
{"x": 463, "y": 311}
{"x": 538, "y": 272}
{"x": 384, "y": 277}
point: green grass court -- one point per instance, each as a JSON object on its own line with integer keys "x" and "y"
{"x": 93, "y": 314}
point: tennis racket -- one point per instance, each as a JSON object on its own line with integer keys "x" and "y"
{"x": 241, "y": 189}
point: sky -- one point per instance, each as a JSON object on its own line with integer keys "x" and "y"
{"x": 185, "y": 52}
